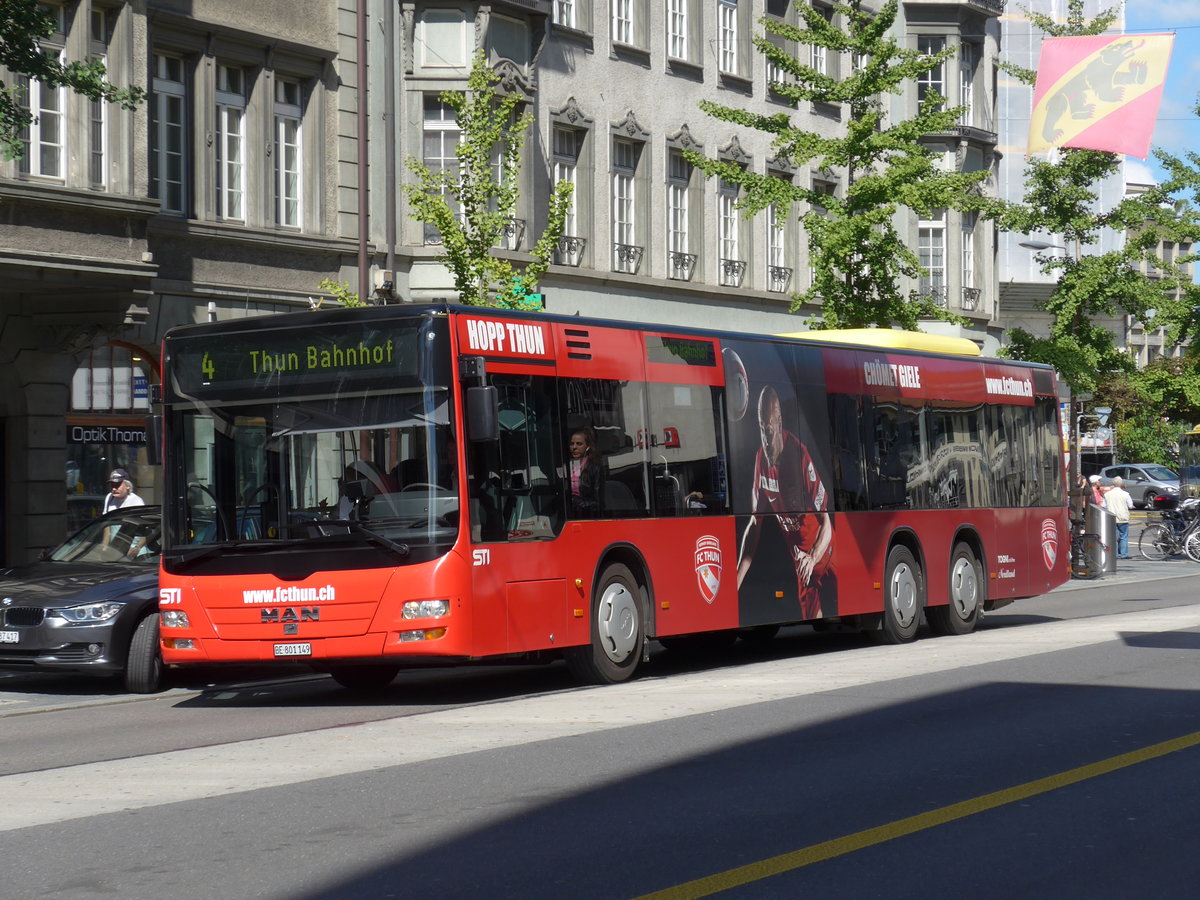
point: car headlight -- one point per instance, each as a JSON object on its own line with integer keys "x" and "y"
{"x": 1171, "y": 489}
{"x": 88, "y": 613}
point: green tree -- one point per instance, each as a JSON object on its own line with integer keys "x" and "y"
{"x": 859, "y": 258}
{"x": 472, "y": 204}
{"x": 23, "y": 25}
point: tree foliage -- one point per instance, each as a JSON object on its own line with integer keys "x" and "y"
{"x": 472, "y": 204}
{"x": 23, "y": 25}
{"x": 859, "y": 258}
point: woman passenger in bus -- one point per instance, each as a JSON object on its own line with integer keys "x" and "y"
{"x": 583, "y": 474}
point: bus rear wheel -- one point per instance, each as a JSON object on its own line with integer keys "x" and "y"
{"x": 617, "y": 630}
{"x": 904, "y": 596}
{"x": 961, "y": 614}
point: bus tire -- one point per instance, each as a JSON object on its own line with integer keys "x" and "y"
{"x": 617, "y": 631}
{"x": 144, "y": 665}
{"x": 967, "y": 597}
{"x": 903, "y": 597}
{"x": 364, "y": 678}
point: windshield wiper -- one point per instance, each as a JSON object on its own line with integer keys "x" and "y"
{"x": 373, "y": 537}
{"x": 187, "y": 558}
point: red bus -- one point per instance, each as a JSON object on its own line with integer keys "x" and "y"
{"x": 367, "y": 489}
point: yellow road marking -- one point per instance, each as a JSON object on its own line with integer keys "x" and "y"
{"x": 787, "y": 862}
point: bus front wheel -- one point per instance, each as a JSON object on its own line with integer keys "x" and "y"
{"x": 961, "y": 614}
{"x": 373, "y": 677}
{"x": 904, "y": 596}
{"x": 617, "y": 630}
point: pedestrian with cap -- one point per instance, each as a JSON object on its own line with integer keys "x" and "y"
{"x": 1097, "y": 491}
{"x": 120, "y": 492}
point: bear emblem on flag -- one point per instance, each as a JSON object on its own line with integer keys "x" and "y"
{"x": 708, "y": 567}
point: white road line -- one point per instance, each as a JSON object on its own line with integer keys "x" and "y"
{"x": 96, "y": 788}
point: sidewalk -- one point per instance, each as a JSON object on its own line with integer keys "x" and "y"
{"x": 1137, "y": 568}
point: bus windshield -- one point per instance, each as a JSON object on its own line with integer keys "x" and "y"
{"x": 352, "y": 460}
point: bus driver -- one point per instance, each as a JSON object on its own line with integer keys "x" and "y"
{"x": 786, "y": 483}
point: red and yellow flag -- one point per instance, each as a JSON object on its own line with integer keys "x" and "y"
{"x": 1099, "y": 92}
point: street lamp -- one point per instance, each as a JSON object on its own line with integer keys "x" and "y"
{"x": 1041, "y": 245}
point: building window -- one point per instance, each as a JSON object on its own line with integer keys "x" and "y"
{"x": 933, "y": 81}
{"x": 564, "y": 13}
{"x": 680, "y": 261}
{"x": 231, "y": 143}
{"x": 508, "y": 39}
{"x": 440, "y": 135}
{"x": 98, "y": 35}
{"x": 779, "y": 267}
{"x": 968, "y": 60}
{"x": 442, "y": 38}
{"x": 627, "y": 253}
{"x": 968, "y": 249}
{"x": 732, "y": 267}
{"x": 931, "y": 252}
{"x": 622, "y": 21}
{"x": 168, "y": 139}
{"x": 819, "y": 56}
{"x": 568, "y": 147}
{"x": 42, "y": 139}
{"x": 677, "y": 29}
{"x": 727, "y": 36}
{"x": 288, "y": 155}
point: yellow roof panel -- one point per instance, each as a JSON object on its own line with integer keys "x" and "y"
{"x": 891, "y": 339}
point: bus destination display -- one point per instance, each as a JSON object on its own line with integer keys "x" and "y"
{"x": 330, "y": 354}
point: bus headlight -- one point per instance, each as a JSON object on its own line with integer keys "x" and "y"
{"x": 174, "y": 618}
{"x": 425, "y": 609}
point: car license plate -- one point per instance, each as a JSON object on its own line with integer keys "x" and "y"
{"x": 10, "y": 637}
{"x": 293, "y": 649}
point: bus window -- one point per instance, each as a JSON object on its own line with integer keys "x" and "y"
{"x": 687, "y": 449}
{"x": 846, "y": 438}
{"x": 514, "y": 486}
{"x": 613, "y": 410}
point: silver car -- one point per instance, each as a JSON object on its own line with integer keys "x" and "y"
{"x": 1144, "y": 481}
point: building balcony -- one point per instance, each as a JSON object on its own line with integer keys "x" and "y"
{"x": 991, "y": 8}
{"x": 778, "y": 278}
{"x": 570, "y": 250}
{"x": 512, "y": 233}
{"x": 627, "y": 258}
{"x": 732, "y": 271}
{"x": 680, "y": 266}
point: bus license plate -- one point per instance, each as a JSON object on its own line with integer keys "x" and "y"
{"x": 10, "y": 637}
{"x": 293, "y": 649}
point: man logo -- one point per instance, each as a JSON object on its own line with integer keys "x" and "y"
{"x": 1049, "y": 543}
{"x": 708, "y": 567}
{"x": 289, "y": 614}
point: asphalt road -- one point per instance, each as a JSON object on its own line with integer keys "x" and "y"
{"x": 1048, "y": 755}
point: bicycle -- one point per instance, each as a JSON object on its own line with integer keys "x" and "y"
{"x": 1177, "y": 535}
{"x": 1084, "y": 548}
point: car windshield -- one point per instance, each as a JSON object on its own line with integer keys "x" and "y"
{"x": 124, "y": 538}
{"x": 1160, "y": 473}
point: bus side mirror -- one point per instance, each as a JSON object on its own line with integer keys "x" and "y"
{"x": 154, "y": 437}
{"x": 483, "y": 413}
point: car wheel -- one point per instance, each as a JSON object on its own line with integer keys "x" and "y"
{"x": 144, "y": 666}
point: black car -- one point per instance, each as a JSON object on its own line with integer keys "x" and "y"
{"x": 91, "y": 604}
